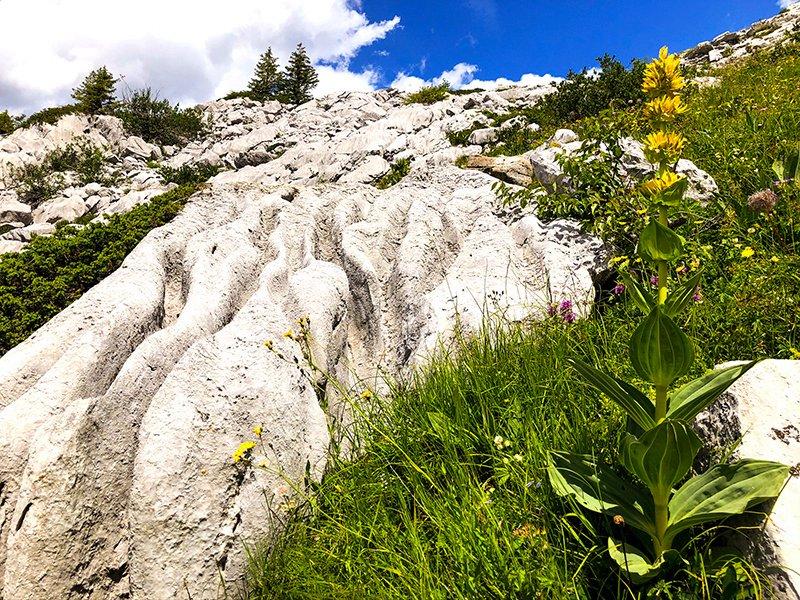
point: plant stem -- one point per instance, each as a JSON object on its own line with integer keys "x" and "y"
{"x": 661, "y": 403}
{"x": 662, "y": 517}
{"x": 663, "y": 266}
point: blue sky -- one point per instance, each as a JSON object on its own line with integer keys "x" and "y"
{"x": 196, "y": 50}
{"x": 506, "y": 38}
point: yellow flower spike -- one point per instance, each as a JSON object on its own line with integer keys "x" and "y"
{"x": 748, "y": 252}
{"x": 258, "y": 430}
{"x": 243, "y": 451}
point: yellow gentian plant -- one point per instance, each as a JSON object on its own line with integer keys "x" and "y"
{"x": 659, "y": 449}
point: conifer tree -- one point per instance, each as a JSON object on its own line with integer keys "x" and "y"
{"x": 299, "y": 78}
{"x": 266, "y": 81}
{"x": 96, "y": 93}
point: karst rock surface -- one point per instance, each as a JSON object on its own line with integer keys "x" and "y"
{"x": 758, "y": 417}
{"x": 119, "y": 417}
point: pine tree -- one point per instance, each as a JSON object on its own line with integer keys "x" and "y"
{"x": 299, "y": 78}
{"x": 266, "y": 81}
{"x": 96, "y": 93}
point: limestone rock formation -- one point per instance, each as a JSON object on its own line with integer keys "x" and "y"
{"x": 758, "y": 416}
{"x": 120, "y": 415}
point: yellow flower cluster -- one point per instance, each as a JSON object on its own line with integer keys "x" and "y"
{"x": 664, "y": 108}
{"x": 663, "y": 146}
{"x": 243, "y": 451}
{"x": 662, "y": 77}
{"x": 661, "y": 182}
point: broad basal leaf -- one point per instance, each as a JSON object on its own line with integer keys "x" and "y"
{"x": 637, "y": 565}
{"x": 723, "y": 491}
{"x": 599, "y": 489}
{"x": 635, "y": 404}
{"x": 660, "y": 351}
{"x": 694, "y": 397}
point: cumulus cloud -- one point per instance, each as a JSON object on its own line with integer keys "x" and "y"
{"x": 462, "y": 76}
{"x": 189, "y": 50}
{"x": 787, "y": 3}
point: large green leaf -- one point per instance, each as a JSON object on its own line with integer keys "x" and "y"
{"x": 635, "y": 563}
{"x": 681, "y": 297}
{"x": 674, "y": 194}
{"x": 659, "y": 242}
{"x": 694, "y": 397}
{"x": 723, "y": 491}
{"x": 640, "y": 296}
{"x": 599, "y": 489}
{"x": 662, "y": 456}
{"x": 635, "y": 404}
{"x": 660, "y": 351}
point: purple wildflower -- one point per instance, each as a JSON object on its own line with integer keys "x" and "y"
{"x": 697, "y": 296}
{"x": 654, "y": 280}
{"x": 551, "y": 310}
{"x": 619, "y": 289}
{"x": 570, "y": 317}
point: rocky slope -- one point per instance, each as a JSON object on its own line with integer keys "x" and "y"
{"x": 118, "y": 418}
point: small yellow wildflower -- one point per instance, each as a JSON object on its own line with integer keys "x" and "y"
{"x": 268, "y": 345}
{"x": 662, "y": 77}
{"x": 289, "y": 334}
{"x": 661, "y": 182}
{"x": 258, "y": 430}
{"x": 664, "y": 108}
{"x": 663, "y": 145}
{"x": 367, "y": 394}
{"x": 775, "y": 259}
{"x": 243, "y": 451}
{"x": 695, "y": 264}
{"x": 498, "y": 441}
{"x": 748, "y": 252}
{"x": 795, "y": 353}
{"x": 507, "y": 444}
{"x": 518, "y": 457}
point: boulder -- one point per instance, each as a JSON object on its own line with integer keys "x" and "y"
{"x": 12, "y": 210}
{"x": 511, "y": 169}
{"x": 24, "y": 234}
{"x": 758, "y": 416}
{"x": 67, "y": 208}
{"x": 137, "y": 147}
{"x": 9, "y": 246}
{"x": 485, "y": 136}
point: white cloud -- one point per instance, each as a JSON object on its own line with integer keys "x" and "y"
{"x": 189, "y": 50}
{"x": 462, "y": 76}
{"x": 787, "y": 3}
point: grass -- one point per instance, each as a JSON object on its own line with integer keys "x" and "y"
{"x": 431, "y": 507}
{"x": 398, "y": 170}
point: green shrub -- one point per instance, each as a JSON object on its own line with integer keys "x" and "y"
{"x": 429, "y": 95}
{"x": 7, "y": 123}
{"x": 35, "y": 183}
{"x": 399, "y": 169}
{"x": 95, "y": 95}
{"x": 188, "y": 174}
{"x": 53, "y": 272}
{"x": 157, "y": 121}
{"x": 50, "y": 116}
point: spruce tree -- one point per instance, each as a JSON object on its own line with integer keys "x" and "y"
{"x": 266, "y": 81}
{"x": 96, "y": 93}
{"x": 299, "y": 78}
